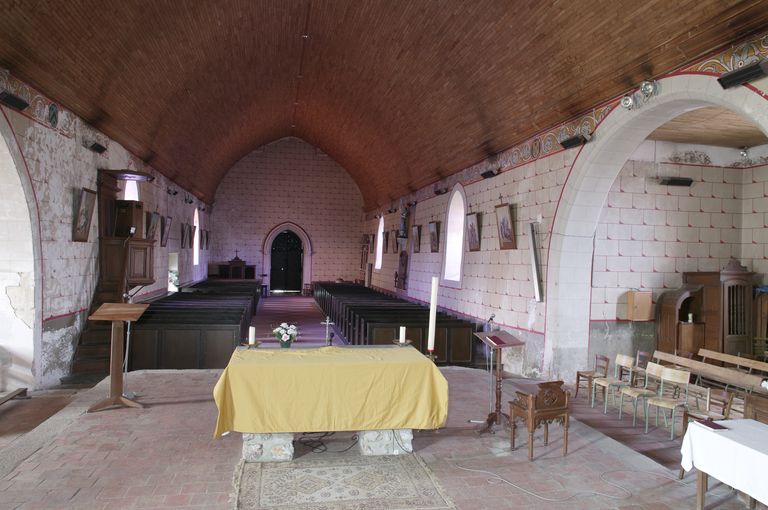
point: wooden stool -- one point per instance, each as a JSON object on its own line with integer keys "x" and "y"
{"x": 540, "y": 403}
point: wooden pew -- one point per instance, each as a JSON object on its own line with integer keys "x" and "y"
{"x": 191, "y": 330}
{"x": 725, "y": 376}
{"x": 738, "y": 361}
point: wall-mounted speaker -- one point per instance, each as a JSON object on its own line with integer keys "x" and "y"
{"x": 575, "y": 141}
{"x": 12, "y": 100}
{"x": 676, "y": 181}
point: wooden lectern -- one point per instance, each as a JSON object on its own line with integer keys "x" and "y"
{"x": 117, "y": 313}
{"x": 497, "y": 340}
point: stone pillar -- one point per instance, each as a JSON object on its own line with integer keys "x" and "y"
{"x": 267, "y": 447}
{"x": 385, "y": 442}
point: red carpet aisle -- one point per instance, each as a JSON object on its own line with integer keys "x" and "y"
{"x": 298, "y": 310}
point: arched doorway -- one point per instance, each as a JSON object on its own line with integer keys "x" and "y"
{"x": 307, "y": 252}
{"x": 20, "y": 275}
{"x": 286, "y": 260}
{"x": 594, "y": 170}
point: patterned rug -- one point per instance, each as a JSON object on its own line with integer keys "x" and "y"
{"x": 339, "y": 482}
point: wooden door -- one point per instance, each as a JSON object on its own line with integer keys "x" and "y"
{"x": 286, "y": 259}
{"x": 737, "y": 318}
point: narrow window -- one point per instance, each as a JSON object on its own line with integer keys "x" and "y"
{"x": 454, "y": 236}
{"x": 196, "y": 240}
{"x": 379, "y": 243}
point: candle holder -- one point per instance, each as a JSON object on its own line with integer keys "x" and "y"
{"x": 431, "y": 357}
{"x": 402, "y": 344}
{"x": 250, "y": 346}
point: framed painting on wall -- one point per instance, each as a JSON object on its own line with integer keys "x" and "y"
{"x": 152, "y": 221}
{"x": 506, "y": 227}
{"x": 395, "y": 242}
{"x": 183, "y": 235}
{"x": 371, "y": 242}
{"x": 434, "y": 236}
{"x": 165, "y": 230}
{"x": 81, "y": 227}
{"x": 416, "y": 238}
{"x": 385, "y": 240}
{"x": 473, "y": 232}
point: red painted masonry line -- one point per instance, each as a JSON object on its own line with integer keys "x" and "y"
{"x": 37, "y": 208}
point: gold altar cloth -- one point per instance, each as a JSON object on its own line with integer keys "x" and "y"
{"x": 330, "y": 389}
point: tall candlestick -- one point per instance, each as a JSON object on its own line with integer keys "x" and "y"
{"x": 251, "y": 335}
{"x": 432, "y": 315}
{"x": 402, "y": 334}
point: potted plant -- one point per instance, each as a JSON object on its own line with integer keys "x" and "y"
{"x": 286, "y": 334}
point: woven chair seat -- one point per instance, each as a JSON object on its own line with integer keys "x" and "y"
{"x": 610, "y": 381}
{"x": 637, "y": 392}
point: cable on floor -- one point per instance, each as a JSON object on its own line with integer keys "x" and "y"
{"x": 316, "y": 444}
{"x": 495, "y": 478}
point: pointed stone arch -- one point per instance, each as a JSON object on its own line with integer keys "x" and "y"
{"x": 266, "y": 250}
{"x": 21, "y": 295}
{"x": 595, "y": 168}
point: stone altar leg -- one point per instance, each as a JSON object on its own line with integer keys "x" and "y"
{"x": 385, "y": 442}
{"x": 267, "y": 447}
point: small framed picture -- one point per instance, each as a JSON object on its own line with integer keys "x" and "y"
{"x": 416, "y": 238}
{"x": 371, "y": 242}
{"x": 153, "y": 219}
{"x": 473, "y": 232}
{"x": 393, "y": 237}
{"x": 434, "y": 236}
{"x": 81, "y": 227}
{"x": 183, "y": 235}
{"x": 165, "y": 230}
{"x": 385, "y": 240}
{"x": 506, "y": 227}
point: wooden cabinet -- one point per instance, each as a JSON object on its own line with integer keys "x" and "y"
{"x": 640, "y": 305}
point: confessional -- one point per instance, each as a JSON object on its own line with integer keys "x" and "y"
{"x": 712, "y": 310}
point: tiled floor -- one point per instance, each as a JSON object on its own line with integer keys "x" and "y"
{"x": 164, "y": 456}
{"x": 19, "y": 416}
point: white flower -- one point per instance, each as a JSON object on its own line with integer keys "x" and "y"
{"x": 764, "y": 384}
{"x": 284, "y": 325}
{"x": 276, "y": 330}
{"x": 285, "y": 337}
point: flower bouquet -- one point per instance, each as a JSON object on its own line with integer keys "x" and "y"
{"x": 286, "y": 334}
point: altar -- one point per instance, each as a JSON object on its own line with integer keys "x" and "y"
{"x": 329, "y": 389}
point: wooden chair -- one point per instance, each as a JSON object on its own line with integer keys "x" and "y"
{"x": 756, "y": 407}
{"x": 540, "y": 403}
{"x": 717, "y": 405}
{"x": 638, "y": 372}
{"x": 676, "y": 381}
{"x": 650, "y": 388}
{"x": 600, "y": 370}
{"x": 622, "y": 364}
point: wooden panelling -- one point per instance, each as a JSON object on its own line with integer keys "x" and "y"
{"x": 398, "y": 92}
{"x": 712, "y": 125}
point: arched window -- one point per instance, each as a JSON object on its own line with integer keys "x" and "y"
{"x": 196, "y": 240}
{"x": 131, "y": 191}
{"x": 454, "y": 236}
{"x": 379, "y": 243}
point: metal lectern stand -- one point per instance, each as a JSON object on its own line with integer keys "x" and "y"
{"x": 117, "y": 313}
{"x": 496, "y": 341}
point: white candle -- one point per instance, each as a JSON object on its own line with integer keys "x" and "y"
{"x": 402, "y": 334}
{"x": 690, "y": 317}
{"x": 432, "y": 315}
{"x": 251, "y": 335}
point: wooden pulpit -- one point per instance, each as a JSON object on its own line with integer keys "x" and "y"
{"x": 118, "y": 313}
{"x": 497, "y": 340}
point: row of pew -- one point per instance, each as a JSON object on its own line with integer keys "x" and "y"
{"x": 364, "y": 316}
{"x": 196, "y": 328}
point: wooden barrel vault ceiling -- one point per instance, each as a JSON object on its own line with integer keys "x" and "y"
{"x": 400, "y": 93}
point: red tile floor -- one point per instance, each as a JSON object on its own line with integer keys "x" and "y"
{"x": 164, "y": 456}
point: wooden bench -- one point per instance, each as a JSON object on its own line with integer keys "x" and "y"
{"x": 748, "y": 364}
{"x": 723, "y": 375}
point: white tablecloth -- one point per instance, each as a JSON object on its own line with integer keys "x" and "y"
{"x": 737, "y": 456}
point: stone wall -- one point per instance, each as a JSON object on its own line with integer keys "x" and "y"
{"x": 290, "y": 181}
{"x": 49, "y": 285}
